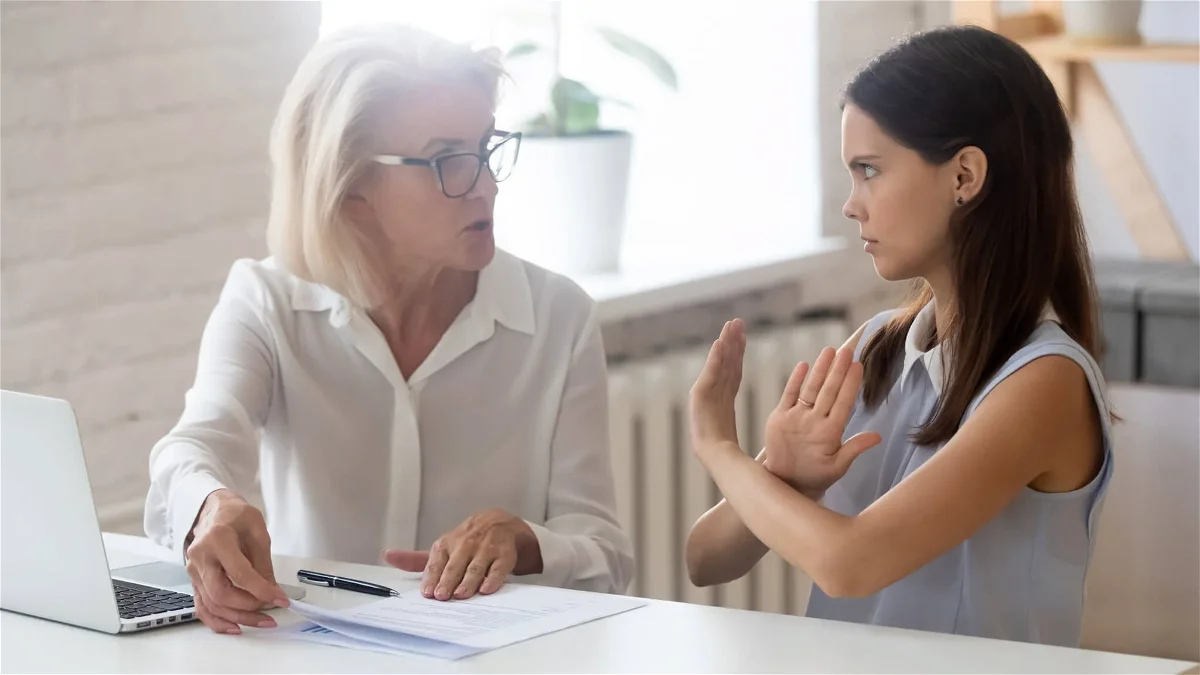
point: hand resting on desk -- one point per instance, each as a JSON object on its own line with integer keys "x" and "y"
{"x": 229, "y": 562}
{"x": 476, "y": 556}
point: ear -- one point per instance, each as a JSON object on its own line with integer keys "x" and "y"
{"x": 970, "y": 172}
{"x": 358, "y": 209}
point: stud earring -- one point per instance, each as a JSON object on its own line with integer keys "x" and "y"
{"x": 959, "y": 201}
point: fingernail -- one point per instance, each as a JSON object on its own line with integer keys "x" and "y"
{"x": 427, "y": 591}
{"x": 486, "y": 587}
{"x": 233, "y": 631}
{"x": 441, "y": 594}
{"x": 282, "y": 603}
{"x": 267, "y": 623}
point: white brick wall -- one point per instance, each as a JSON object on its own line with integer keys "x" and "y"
{"x": 134, "y": 164}
{"x": 134, "y": 171}
{"x": 856, "y": 31}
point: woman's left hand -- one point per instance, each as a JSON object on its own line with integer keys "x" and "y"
{"x": 476, "y": 556}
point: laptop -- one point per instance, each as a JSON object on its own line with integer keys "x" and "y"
{"x": 52, "y": 559}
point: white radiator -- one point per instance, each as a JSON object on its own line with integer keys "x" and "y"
{"x": 662, "y": 488}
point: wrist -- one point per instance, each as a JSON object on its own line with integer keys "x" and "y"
{"x": 208, "y": 507}
{"x": 529, "y": 551}
{"x": 715, "y": 447}
{"x": 813, "y": 493}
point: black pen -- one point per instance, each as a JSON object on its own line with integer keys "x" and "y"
{"x": 331, "y": 581}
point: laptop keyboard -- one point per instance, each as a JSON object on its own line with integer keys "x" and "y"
{"x": 134, "y": 600}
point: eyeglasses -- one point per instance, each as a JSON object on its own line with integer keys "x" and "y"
{"x": 458, "y": 172}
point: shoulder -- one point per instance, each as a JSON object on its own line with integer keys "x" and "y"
{"x": 250, "y": 282}
{"x": 1050, "y": 354}
{"x": 1051, "y": 385}
{"x": 558, "y": 301}
{"x": 865, "y": 332}
{"x": 262, "y": 284}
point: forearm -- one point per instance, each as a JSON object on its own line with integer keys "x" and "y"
{"x": 800, "y": 530}
{"x": 582, "y": 552}
{"x": 720, "y": 548}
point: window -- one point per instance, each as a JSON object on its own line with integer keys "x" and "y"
{"x": 726, "y": 167}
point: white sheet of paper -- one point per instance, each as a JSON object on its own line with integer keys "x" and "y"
{"x": 513, "y": 614}
{"x": 367, "y": 639}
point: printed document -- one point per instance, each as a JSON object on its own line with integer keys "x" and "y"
{"x": 412, "y": 623}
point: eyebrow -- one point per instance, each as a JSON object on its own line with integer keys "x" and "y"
{"x": 452, "y": 142}
{"x": 448, "y": 142}
{"x": 859, "y": 159}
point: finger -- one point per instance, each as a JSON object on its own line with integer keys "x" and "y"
{"x": 712, "y": 365}
{"x": 409, "y": 561}
{"x": 736, "y": 350}
{"x": 452, "y": 576}
{"x": 214, "y": 622}
{"x": 237, "y": 615}
{"x": 259, "y": 555}
{"x": 498, "y": 574}
{"x": 245, "y": 577}
{"x": 438, "y": 557}
{"x": 220, "y": 591}
{"x": 791, "y": 390}
{"x": 833, "y": 381}
{"x": 206, "y": 617}
{"x": 476, "y": 571}
{"x": 709, "y": 371}
{"x": 847, "y": 395}
{"x": 816, "y": 376}
{"x": 857, "y": 445}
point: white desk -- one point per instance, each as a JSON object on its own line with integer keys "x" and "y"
{"x": 661, "y": 637}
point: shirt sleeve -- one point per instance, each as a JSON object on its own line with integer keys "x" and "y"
{"x": 215, "y": 443}
{"x": 582, "y": 544}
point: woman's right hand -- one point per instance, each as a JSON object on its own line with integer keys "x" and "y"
{"x": 229, "y": 562}
{"x": 804, "y": 433}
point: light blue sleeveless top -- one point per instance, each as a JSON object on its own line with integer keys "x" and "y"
{"x": 1020, "y": 577}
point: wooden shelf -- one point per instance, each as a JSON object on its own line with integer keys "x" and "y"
{"x": 1058, "y": 48}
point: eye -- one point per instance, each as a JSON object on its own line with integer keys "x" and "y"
{"x": 869, "y": 171}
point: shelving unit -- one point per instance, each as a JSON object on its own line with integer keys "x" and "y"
{"x": 1069, "y": 64}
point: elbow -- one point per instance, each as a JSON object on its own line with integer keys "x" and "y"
{"x": 699, "y": 568}
{"x": 624, "y": 569}
{"x": 839, "y": 575}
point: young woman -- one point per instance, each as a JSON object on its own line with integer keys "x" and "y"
{"x": 965, "y": 498}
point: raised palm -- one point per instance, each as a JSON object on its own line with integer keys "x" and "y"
{"x": 804, "y": 433}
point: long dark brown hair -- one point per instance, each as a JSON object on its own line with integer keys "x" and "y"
{"x": 1020, "y": 243}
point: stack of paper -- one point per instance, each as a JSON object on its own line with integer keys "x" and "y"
{"x": 413, "y": 624}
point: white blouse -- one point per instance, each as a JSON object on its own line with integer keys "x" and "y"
{"x": 297, "y": 387}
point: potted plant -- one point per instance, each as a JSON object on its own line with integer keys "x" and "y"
{"x": 1102, "y": 21}
{"x": 565, "y": 202}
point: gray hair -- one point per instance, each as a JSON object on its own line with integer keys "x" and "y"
{"x": 323, "y": 136}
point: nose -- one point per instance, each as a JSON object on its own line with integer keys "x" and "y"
{"x": 485, "y": 186}
{"x": 852, "y": 209}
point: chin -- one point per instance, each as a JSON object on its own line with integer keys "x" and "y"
{"x": 478, "y": 255}
{"x": 888, "y": 271}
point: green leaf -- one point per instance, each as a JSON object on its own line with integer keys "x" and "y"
{"x": 522, "y": 49}
{"x": 576, "y": 108}
{"x": 643, "y": 54}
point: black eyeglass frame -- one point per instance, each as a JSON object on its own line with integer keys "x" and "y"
{"x": 483, "y": 157}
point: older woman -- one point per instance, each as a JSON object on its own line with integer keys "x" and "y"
{"x": 401, "y": 387}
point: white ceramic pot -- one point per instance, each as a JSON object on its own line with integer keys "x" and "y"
{"x": 563, "y": 207}
{"x": 1102, "y": 21}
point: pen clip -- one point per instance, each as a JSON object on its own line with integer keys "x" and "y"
{"x": 315, "y": 578}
